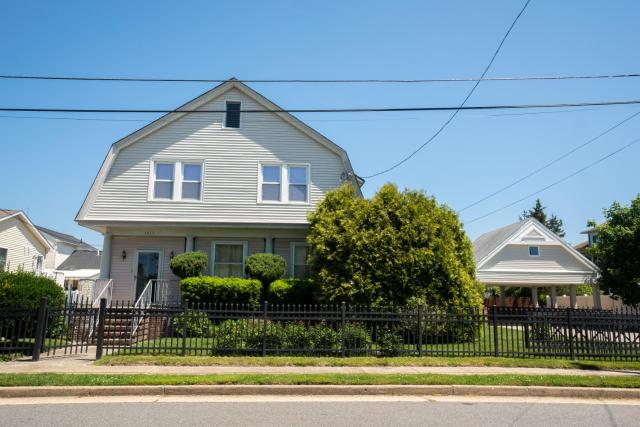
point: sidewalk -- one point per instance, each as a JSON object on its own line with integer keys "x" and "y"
{"x": 83, "y": 364}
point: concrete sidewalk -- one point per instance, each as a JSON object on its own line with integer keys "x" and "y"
{"x": 83, "y": 363}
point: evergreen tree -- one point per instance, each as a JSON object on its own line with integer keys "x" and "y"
{"x": 554, "y": 223}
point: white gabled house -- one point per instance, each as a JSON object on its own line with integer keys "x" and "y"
{"x": 528, "y": 254}
{"x": 230, "y": 183}
{"x": 22, "y": 246}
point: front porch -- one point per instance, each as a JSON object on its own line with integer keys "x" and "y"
{"x": 552, "y": 292}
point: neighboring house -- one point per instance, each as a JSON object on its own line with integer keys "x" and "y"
{"x": 528, "y": 254}
{"x": 227, "y": 182}
{"x": 592, "y": 237}
{"x": 62, "y": 246}
{"x": 81, "y": 264}
{"x": 22, "y": 246}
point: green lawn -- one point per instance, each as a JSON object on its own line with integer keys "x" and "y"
{"x": 174, "y": 360}
{"x": 7, "y": 380}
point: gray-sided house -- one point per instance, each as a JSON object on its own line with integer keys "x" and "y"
{"x": 528, "y": 254}
{"x": 228, "y": 182}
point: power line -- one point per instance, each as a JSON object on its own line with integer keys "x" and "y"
{"x": 433, "y": 80}
{"x": 327, "y": 110}
{"x": 552, "y": 162}
{"x": 456, "y": 111}
{"x": 553, "y": 184}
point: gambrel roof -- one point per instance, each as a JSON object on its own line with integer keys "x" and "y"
{"x": 198, "y": 103}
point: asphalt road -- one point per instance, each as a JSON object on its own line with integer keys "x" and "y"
{"x": 408, "y": 412}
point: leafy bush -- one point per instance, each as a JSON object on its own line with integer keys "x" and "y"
{"x": 384, "y": 250}
{"x": 357, "y": 337}
{"x": 189, "y": 264}
{"x": 23, "y": 289}
{"x": 389, "y": 343}
{"x": 206, "y": 290}
{"x": 265, "y": 268}
{"x": 293, "y": 291}
{"x": 193, "y": 324}
{"x": 323, "y": 337}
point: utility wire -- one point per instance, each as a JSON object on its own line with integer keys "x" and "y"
{"x": 328, "y": 110}
{"x": 434, "y": 80}
{"x": 552, "y": 162}
{"x": 553, "y": 184}
{"x": 456, "y": 111}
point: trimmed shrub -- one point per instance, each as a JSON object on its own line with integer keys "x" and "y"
{"x": 293, "y": 291}
{"x": 267, "y": 268}
{"x": 192, "y": 324}
{"x": 389, "y": 343}
{"x": 357, "y": 337}
{"x": 22, "y": 289}
{"x": 209, "y": 290}
{"x": 189, "y": 264}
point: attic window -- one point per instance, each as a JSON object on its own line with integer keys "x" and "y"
{"x": 534, "y": 251}
{"x": 232, "y": 114}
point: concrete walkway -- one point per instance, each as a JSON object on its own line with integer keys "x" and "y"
{"x": 83, "y": 363}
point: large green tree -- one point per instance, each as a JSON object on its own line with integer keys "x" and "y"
{"x": 617, "y": 251}
{"x": 393, "y": 248}
{"x": 553, "y": 223}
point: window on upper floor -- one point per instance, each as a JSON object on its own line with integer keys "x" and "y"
{"x": 534, "y": 251}
{"x": 176, "y": 180}
{"x": 3, "y": 258}
{"x": 284, "y": 183}
{"x": 232, "y": 114}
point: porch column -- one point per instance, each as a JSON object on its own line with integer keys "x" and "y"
{"x": 189, "y": 244}
{"x": 503, "y": 295}
{"x": 105, "y": 258}
{"x": 597, "y": 303}
{"x": 534, "y": 296}
{"x": 554, "y": 301}
{"x": 268, "y": 244}
{"x": 572, "y": 296}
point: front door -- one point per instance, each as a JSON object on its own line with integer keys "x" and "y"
{"x": 147, "y": 268}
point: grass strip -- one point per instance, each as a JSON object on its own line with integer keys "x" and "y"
{"x": 50, "y": 379}
{"x": 173, "y": 360}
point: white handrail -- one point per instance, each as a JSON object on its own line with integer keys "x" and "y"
{"x": 144, "y": 300}
{"x": 105, "y": 290}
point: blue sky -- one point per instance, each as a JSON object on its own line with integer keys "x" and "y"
{"x": 47, "y": 166}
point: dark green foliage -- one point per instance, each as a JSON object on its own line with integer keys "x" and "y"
{"x": 266, "y": 268}
{"x": 189, "y": 264}
{"x": 293, "y": 291}
{"x": 389, "y": 343}
{"x": 357, "y": 337}
{"x": 617, "y": 251}
{"x": 388, "y": 249}
{"x": 553, "y": 223}
{"x": 22, "y": 289}
{"x": 192, "y": 324}
{"x": 209, "y": 290}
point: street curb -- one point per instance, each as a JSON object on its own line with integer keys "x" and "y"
{"x": 324, "y": 390}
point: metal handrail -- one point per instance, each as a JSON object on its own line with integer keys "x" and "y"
{"x": 105, "y": 287}
{"x": 144, "y": 300}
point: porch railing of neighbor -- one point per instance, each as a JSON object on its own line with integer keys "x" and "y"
{"x": 327, "y": 330}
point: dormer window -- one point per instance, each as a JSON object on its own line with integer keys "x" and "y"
{"x": 232, "y": 114}
{"x": 534, "y": 251}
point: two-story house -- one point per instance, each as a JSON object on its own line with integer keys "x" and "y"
{"x": 237, "y": 178}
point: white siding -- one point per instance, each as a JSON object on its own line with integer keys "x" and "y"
{"x": 22, "y": 246}
{"x": 230, "y": 174}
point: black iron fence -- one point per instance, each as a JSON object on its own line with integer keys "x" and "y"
{"x": 327, "y": 330}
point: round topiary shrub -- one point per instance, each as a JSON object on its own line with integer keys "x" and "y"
{"x": 23, "y": 289}
{"x": 189, "y": 264}
{"x": 266, "y": 268}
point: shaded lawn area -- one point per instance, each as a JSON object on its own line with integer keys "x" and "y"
{"x": 175, "y": 360}
{"x": 7, "y": 380}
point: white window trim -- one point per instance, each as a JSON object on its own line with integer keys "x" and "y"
{"x": 292, "y": 251}
{"x": 135, "y": 266}
{"x": 284, "y": 183}
{"x": 6, "y": 258}
{"x": 224, "y": 115}
{"x": 177, "y": 180}
{"x": 245, "y": 250}
{"x": 529, "y": 250}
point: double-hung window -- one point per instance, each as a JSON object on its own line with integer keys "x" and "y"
{"x": 3, "y": 258}
{"x": 271, "y": 178}
{"x": 284, "y": 183}
{"x": 176, "y": 180}
{"x": 163, "y": 180}
{"x": 191, "y": 181}
{"x": 299, "y": 261}
{"x": 228, "y": 259}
